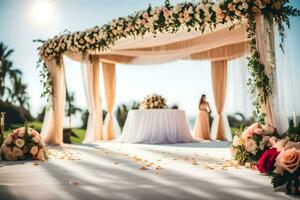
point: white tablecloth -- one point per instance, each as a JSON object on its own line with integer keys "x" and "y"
{"x": 159, "y": 126}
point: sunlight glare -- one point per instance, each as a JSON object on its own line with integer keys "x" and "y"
{"x": 42, "y": 12}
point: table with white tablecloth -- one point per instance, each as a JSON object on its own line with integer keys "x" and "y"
{"x": 156, "y": 126}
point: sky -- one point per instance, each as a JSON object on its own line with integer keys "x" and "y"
{"x": 181, "y": 82}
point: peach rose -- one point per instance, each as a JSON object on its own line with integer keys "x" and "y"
{"x": 288, "y": 160}
{"x": 8, "y": 140}
{"x": 36, "y": 139}
{"x": 34, "y": 150}
{"x": 40, "y": 154}
{"x": 9, "y": 155}
{"x": 280, "y": 144}
{"x": 17, "y": 152}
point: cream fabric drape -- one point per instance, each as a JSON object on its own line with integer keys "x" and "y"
{"x": 266, "y": 47}
{"x": 111, "y": 128}
{"x": 52, "y": 130}
{"x": 90, "y": 73}
{"x": 219, "y": 82}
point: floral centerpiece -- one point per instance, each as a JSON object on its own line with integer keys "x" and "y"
{"x": 23, "y": 144}
{"x": 249, "y": 144}
{"x": 153, "y": 101}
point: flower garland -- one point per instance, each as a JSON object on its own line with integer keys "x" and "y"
{"x": 169, "y": 19}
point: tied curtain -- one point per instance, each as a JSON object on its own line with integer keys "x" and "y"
{"x": 90, "y": 75}
{"x": 111, "y": 127}
{"x": 52, "y": 130}
{"x": 219, "y": 82}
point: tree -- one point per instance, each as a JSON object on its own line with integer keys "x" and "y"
{"x": 6, "y": 70}
{"x": 18, "y": 93}
{"x": 71, "y": 109}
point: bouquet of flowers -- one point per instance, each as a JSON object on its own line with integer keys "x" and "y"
{"x": 153, "y": 101}
{"x": 249, "y": 144}
{"x": 23, "y": 143}
{"x": 282, "y": 163}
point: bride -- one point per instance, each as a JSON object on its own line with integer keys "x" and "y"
{"x": 202, "y": 128}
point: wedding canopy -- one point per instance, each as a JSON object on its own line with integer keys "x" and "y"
{"x": 195, "y": 31}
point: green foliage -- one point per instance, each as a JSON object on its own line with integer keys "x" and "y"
{"x": 12, "y": 88}
{"x": 242, "y": 155}
{"x": 122, "y": 112}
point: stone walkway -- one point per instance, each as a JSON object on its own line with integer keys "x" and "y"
{"x": 132, "y": 172}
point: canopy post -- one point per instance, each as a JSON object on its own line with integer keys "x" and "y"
{"x": 52, "y": 130}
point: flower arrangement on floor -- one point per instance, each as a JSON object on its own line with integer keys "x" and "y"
{"x": 278, "y": 158}
{"x": 153, "y": 101}
{"x": 23, "y": 144}
{"x": 282, "y": 162}
{"x": 249, "y": 144}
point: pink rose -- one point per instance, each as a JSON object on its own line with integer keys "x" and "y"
{"x": 248, "y": 133}
{"x": 258, "y": 131}
{"x": 289, "y": 158}
{"x": 254, "y": 126}
{"x": 251, "y": 146}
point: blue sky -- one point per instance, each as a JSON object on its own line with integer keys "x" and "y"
{"x": 181, "y": 82}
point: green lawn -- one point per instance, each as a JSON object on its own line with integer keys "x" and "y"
{"x": 80, "y": 132}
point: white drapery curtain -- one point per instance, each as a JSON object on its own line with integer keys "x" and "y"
{"x": 238, "y": 98}
{"x": 52, "y": 130}
{"x": 111, "y": 126}
{"x": 286, "y": 89}
{"x": 90, "y": 75}
{"x": 276, "y": 116}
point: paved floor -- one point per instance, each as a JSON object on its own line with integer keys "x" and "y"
{"x": 127, "y": 171}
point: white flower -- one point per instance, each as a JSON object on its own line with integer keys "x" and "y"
{"x": 19, "y": 143}
{"x": 245, "y": 6}
{"x": 190, "y": 10}
{"x": 236, "y": 141}
{"x": 34, "y": 150}
{"x": 177, "y": 8}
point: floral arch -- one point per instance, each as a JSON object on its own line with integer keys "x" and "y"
{"x": 205, "y": 30}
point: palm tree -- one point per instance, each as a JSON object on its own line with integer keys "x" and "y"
{"x": 71, "y": 109}
{"x": 6, "y": 69}
{"x": 18, "y": 93}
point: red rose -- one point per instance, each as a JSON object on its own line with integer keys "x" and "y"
{"x": 267, "y": 160}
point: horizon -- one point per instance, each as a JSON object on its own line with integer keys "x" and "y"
{"x": 191, "y": 78}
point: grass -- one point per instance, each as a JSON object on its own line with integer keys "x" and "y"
{"x": 81, "y": 133}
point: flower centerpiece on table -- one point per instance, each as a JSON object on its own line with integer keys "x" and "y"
{"x": 249, "y": 144}
{"x": 153, "y": 101}
{"x": 23, "y": 144}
